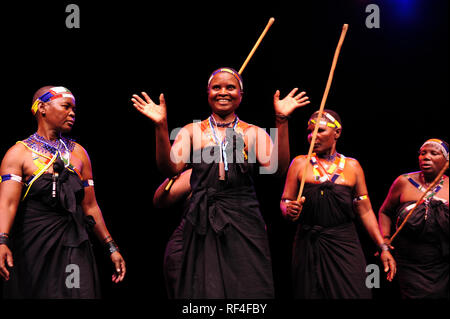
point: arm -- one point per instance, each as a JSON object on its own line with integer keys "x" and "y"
{"x": 390, "y": 203}
{"x": 369, "y": 221}
{"x": 168, "y": 159}
{"x": 10, "y": 192}
{"x": 274, "y": 158}
{"x": 90, "y": 207}
{"x": 290, "y": 208}
{"x": 280, "y": 152}
{"x": 181, "y": 187}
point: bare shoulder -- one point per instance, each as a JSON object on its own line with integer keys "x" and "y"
{"x": 248, "y": 128}
{"x": 299, "y": 159}
{"x": 298, "y": 162}
{"x": 188, "y": 129}
{"x": 16, "y": 152}
{"x": 403, "y": 179}
{"x": 80, "y": 152}
{"x": 14, "y": 159}
{"x": 353, "y": 163}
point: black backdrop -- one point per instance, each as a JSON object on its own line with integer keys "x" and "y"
{"x": 390, "y": 88}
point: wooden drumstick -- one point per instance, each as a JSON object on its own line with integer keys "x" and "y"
{"x": 322, "y": 106}
{"x": 435, "y": 182}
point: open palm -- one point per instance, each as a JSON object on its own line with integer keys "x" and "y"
{"x": 287, "y": 105}
{"x": 157, "y": 113}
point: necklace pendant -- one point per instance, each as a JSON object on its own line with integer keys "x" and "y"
{"x": 221, "y": 171}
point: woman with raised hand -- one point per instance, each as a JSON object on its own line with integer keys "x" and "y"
{"x": 225, "y": 248}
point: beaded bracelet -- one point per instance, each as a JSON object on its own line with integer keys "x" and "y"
{"x": 111, "y": 247}
{"x": 282, "y": 117}
{"x": 4, "y": 239}
{"x": 384, "y": 247}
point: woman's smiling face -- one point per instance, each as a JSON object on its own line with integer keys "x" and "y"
{"x": 224, "y": 94}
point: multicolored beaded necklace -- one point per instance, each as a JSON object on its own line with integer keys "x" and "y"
{"x": 332, "y": 173}
{"x": 427, "y": 199}
{"x": 40, "y": 145}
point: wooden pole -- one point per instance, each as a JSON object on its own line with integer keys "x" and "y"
{"x": 269, "y": 24}
{"x": 322, "y": 106}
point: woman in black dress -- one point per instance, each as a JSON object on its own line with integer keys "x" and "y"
{"x": 327, "y": 261}
{"x": 47, "y": 205}
{"x": 422, "y": 246}
{"x": 225, "y": 248}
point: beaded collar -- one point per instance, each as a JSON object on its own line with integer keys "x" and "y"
{"x": 40, "y": 145}
{"x": 428, "y": 197}
{"x": 332, "y": 173}
{"x": 421, "y": 187}
{"x": 225, "y": 124}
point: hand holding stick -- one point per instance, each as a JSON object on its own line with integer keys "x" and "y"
{"x": 322, "y": 106}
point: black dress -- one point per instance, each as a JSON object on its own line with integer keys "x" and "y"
{"x": 422, "y": 251}
{"x": 53, "y": 257}
{"x": 328, "y": 262}
{"x": 225, "y": 251}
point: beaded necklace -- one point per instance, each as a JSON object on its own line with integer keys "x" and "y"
{"x": 62, "y": 146}
{"x": 427, "y": 199}
{"x": 332, "y": 173}
{"x": 223, "y": 164}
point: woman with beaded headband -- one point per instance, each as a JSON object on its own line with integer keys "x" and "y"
{"x": 328, "y": 261}
{"x": 225, "y": 248}
{"x": 422, "y": 247}
{"x": 47, "y": 207}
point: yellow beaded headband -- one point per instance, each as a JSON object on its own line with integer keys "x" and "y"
{"x": 332, "y": 122}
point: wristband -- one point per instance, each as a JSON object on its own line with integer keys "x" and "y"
{"x": 111, "y": 247}
{"x": 4, "y": 239}
{"x": 282, "y": 117}
{"x": 384, "y": 247}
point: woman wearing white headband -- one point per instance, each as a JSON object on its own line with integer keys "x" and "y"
{"x": 422, "y": 247}
{"x": 328, "y": 261}
{"x": 225, "y": 252}
{"x": 47, "y": 206}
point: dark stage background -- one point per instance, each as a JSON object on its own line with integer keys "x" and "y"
{"x": 390, "y": 88}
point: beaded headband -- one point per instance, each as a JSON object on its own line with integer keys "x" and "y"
{"x": 332, "y": 122}
{"x": 52, "y": 94}
{"x": 440, "y": 144}
{"x": 231, "y": 71}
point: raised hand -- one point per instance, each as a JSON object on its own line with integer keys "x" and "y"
{"x": 157, "y": 113}
{"x": 287, "y": 105}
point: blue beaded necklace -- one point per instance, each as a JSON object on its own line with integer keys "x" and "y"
{"x": 62, "y": 146}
